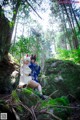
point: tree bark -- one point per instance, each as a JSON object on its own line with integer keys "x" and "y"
{"x": 75, "y": 18}
{"x": 75, "y": 41}
{"x": 5, "y": 34}
{"x": 6, "y": 67}
{"x": 6, "y": 30}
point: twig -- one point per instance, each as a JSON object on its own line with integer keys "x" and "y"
{"x": 52, "y": 115}
{"x": 25, "y": 107}
{"x": 51, "y": 95}
{"x": 16, "y": 115}
{"x": 37, "y": 105}
{"x": 6, "y": 96}
{"x": 65, "y": 107}
{"x": 44, "y": 110}
{"x": 33, "y": 113}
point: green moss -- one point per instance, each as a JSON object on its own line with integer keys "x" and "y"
{"x": 55, "y": 104}
{"x": 15, "y": 96}
{"x": 28, "y": 97}
{"x": 70, "y": 73}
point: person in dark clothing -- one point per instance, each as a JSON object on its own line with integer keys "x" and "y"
{"x": 26, "y": 78}
{"x": 35, "y": 68}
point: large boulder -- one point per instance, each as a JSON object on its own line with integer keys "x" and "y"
{"x": 63, "y": 76}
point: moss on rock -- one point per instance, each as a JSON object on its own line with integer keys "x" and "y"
{"x": 63, "y": 76}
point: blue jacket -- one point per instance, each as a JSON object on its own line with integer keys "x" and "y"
{"x": 35, "y": 70}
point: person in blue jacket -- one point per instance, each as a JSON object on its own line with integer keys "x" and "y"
{"x": 35, "y": 68}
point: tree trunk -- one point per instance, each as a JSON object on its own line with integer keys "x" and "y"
{"x": 75, "y": 18}
{"x": 71, "y": 14}
{"x": 66, "y": 31}
{"x": 62, "y": 17}
{"x": 5, "y": 34}
{"x": 6, "y": 67}
{"x": 75, "y": 41}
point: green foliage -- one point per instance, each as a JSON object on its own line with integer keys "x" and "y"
{"x": 2, "y": 102}
{"x": 70, "y": 74}
{"x": 73, "y": 55}
{"x": 28, "y": 45}
{"x": 15, "y": 96}
{"x": 3, "y": 106}
{"x": 62, "y": 112}
{"x": 28, "y": 91}
{"x": 61, "y": 101}
{"x": 28, "y": 97}
{"x": 58, "y": 106}
{"x": 16, "y": 100}
{"x": 12, "y": 58}
{"x": 24, "y": 46}
{"x": 11, "y": 24}
{"x": 57, "y": 101}
{"x": 14, "y": 12}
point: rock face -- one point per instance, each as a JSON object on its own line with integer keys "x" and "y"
{"x": 63, "y": 76}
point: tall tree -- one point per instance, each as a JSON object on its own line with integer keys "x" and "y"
{"x": 68, "y": 10}
{"x": 6, "y": 30}
{"x": 6, "y": 27}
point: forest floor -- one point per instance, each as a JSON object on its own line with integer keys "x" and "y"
{"x": 64, "y": 76}
{"x": 75, "y": 114}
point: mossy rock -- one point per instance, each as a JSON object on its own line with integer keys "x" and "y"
{"x": 28, "y": 97}
{"x": 54, "y": 106}
{"x": 63, "y": 76}
{"x": 25, "y": 96}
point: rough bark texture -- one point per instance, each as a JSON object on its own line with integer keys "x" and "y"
{"x": 75, "y": 40}
{"x": 5, "y": 34}
{"x": 6, "y": 65}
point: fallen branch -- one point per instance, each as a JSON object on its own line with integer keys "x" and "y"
{"x": 16, "y": 115}
{"x": 53, "y": 93}
{"x": 5, "y": 96}
{"x": 25, "y": 107}
{"x": 30, "y": 110}
{"x": 52, "y": 115}
{"x": 33, "y": 113}
{"x": 37, "y": 105}
{"x": 65, "y": 107}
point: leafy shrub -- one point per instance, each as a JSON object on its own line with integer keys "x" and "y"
{"x": 73, "y": 55}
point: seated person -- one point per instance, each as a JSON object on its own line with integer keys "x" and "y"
{"x": 26, "y": 79}
{"x": 35, "y": 68}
